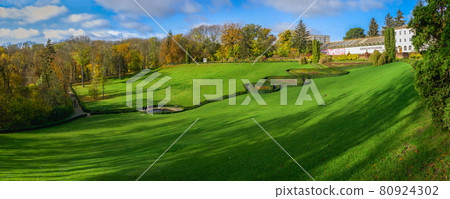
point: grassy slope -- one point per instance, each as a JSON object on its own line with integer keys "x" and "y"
{"x": 181, "y": 82}
{"x": 372, "y": 128}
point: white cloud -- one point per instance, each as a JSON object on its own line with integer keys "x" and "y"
{"x": 98, "y": 23}
{"x": 62, "y": 34}
{"x": 132, "y": 22}
{"x": 323, "y": 7}
{"x": 45, "y": 2}
{"x": 19, "y": 33}
{"x": 31, "y": 14}
{"x": 74, "y": 18}
{"x": 21, "y": 3}
{"x": 156, "y": 8}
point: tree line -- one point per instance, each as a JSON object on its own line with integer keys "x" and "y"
{"x": 374, "y": 28}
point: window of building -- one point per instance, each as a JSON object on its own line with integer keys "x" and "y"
{"x": 400, "y": 40}
{"x": 405, "y": 39}
{"x": 405, "y": 48}
{"x": 405, "y": 32}
{"x": 400, "y": 32}
{"x": 410, "y": 31}
{"x": 410, "y": 48}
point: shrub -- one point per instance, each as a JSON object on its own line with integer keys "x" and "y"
{"x": 374, "y": 57}
{"x": 326, "y": 59}
{"x": 433, "y": 84}
{"x": 303, "y": 61}
{"x": 352, "y": 57}
{"x": 383, "y": 59}
{"x": 60, "y": 112}
{"x": 415, "y": 56}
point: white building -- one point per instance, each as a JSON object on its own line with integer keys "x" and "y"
{"x": 321, "y": 38}
{"x": 354, "y": 46}
{"x": 403, "y": 37}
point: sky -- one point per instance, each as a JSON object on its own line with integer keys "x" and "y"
{"x": 40, "y": 20}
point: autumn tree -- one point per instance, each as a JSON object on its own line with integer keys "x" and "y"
{"x": 120, "y": 53}
{"x": 231, "y": 39}
{"x": 284, "y": 43}
{"x": 134, "y": 59}
{"x": 82, "y": 55}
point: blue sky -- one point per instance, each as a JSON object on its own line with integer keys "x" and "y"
{"x": 39, "y": 20}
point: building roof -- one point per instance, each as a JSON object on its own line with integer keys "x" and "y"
{"x": 402, "y": 27}
{"x": 367, "y": 41}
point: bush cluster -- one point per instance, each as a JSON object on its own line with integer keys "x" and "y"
{"x": 326, "y": 59}
{"x": 374, "y": 57}
{"x": 416, "y": 56}
{"x": 379, "y": 59}
{"x": 346, "y": 57}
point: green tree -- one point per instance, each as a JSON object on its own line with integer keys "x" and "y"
{"x": 316, "y": 51}
{"x": 300, "y": 37}
{"x": 399, "y": 19}
{"x": 388, "y": 22}
{"x": 262, "y": 42}
{"x": 373, "y": 28}
{"x": 354, "y": 33}
{"x": 134, "y": 60}
{"x": 154, "y": 45}
{"x": 389, "y": 43}
{"x": 249, "y": 35}
{"x": 431, "y": 26}
{"x": 48, "y": 55}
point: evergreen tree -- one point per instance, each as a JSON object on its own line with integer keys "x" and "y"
{"x": 388, "y": 22}
{"x": 373, "y": 28}
{"x": 399, "y": 19}
{"x": 389, "y": 43}
{"x": 300, "y": 37}
{"x": 316, "y": 51}
{"x": 48, "y": 57}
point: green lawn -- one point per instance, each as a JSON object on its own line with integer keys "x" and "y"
{"x": 372, "y": 128}
{"x": 181, "y": 82}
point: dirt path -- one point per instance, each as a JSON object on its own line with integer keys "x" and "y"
{"x": 77, "y": 110}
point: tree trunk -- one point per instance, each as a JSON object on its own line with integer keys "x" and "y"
{"x": 82, "y": 76}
